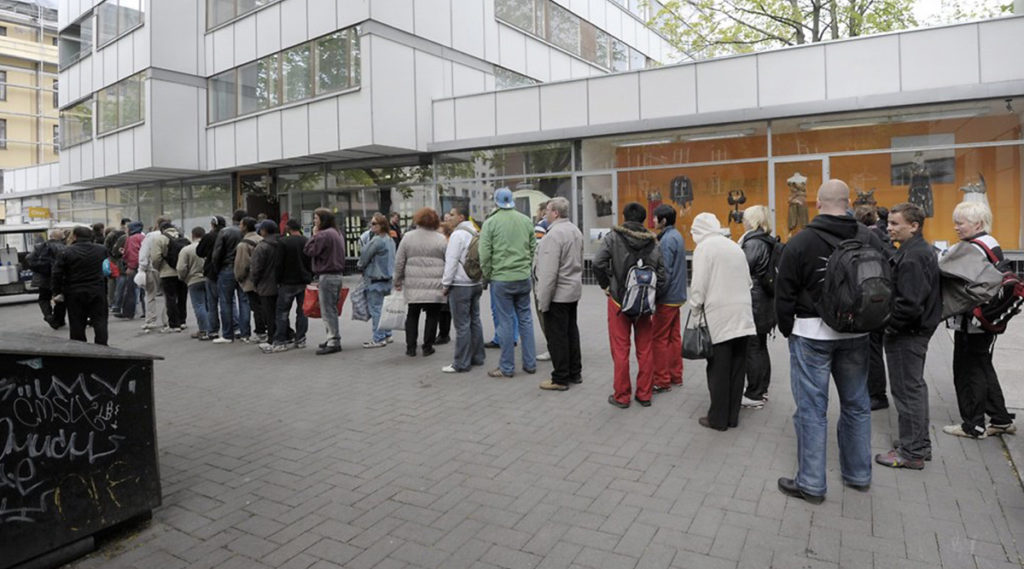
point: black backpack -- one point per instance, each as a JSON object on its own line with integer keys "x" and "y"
{"x": 42, "y": 263}
{"x": 857, "y": 289}
{"x": 174, "y": 248}
{"x": 994, "y": 314}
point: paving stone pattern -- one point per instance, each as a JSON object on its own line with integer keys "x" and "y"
{"x": 371, "y": 459}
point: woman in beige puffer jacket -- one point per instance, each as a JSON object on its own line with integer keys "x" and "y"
{"x": 419, "y": 266}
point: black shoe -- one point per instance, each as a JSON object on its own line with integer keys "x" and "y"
{"x": 411, "y": 352}
{"x": 442, "y": 340}
{"x": 857, "y": 487}
{"x": 615, "y": 402}
{"x": 577, "y": 380}
{"x": 661, "y": 389}
{"x": 491, "y": 345}
{"x": 879, "y": 403}
{"x": 427, "y": 350}
{"x": 706, "y": 423}
{"x": 644, "y": 403}
{"x": 328, "y": 350}
{"x": 788, "y": 487}
{"x": 530, "y": 371}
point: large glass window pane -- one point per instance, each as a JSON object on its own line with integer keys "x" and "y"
{"x": 295, "y": 71}
{"x": 637, "y": 60}
{"x": 86, "y": 30}
{"x": 259, "y": 84}
{"x": 149, "y": 205}
{"x": 223, "y": 96}
{"x": 130, "y": 14}
{"x": 588, "y": 42}
{"x": 75, "y": 41}
{"x": 76, "y": 123}
{"x": 301, "y": 179}
{"x": 203, "y": 200}
{"x": 171, "y": 201}
{"x": 131, "y": 104}
{"x": 355, "y": 58}
{"x": 219, "y": 11}
{"x": 106, "y": 16}
{"x": 620, "y": 56}
{"x": 563, "y": 28}
{"x": 519, "y": 13}
{"x": 332, "y": 62}
{"x": 121, "y": 202}
{"x": 108, "y": 108}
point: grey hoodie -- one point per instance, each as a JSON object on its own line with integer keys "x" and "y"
{"x": 620, "y": 250}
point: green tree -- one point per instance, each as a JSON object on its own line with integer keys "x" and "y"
{"x": 708, "y": 28}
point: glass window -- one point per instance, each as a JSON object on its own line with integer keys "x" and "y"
{"x": 223, "y": 94}
{"x": 637, "y": 60}
{"x": 506, "y": 79}
{"x": 3, "y": 85}
{"x": 56, "y": 98}
{"x": 301, "y": 179}
{"x": 131, "y": 106}
{"x": 563, "y": 28}
{"x": 620, "y": 56}
{"x": 3, "y": 134}
{"x": 75, "y": 41}
{"x": 519, "y": 13}
{"x": 295, "y": 72}
{"x": 56, "y": 138}
{"x": 108, "y": 109}
{"x": 121, "y": 202}
{"x": 76, "y": 123}
{"x": 259, "y": 84}
{"x": 170, "y": 201}
{"x": 332, "y": 62}
{"x": 130, "y": 14}
{"x": 106, "y": 22}
{"x": 149, "y": 204}
{"x": 203, "y": 200}
{"x": 220, "y": 11}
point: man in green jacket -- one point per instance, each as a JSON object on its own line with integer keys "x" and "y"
{"x": 506, "y": 246}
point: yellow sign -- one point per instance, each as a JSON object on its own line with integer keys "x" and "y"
{"x": 39, "y": 213}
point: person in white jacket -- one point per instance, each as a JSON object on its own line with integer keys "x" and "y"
{"x": 463, "y": 294}
{"x": 721, "y": 290}
{"x": 152, "y": 286}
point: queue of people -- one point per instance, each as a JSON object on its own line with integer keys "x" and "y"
{"x": 741, "y": 290}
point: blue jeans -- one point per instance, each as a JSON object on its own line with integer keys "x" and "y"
{"x": 464, "y": 303}
{"x": 229, "y": 290}
{"x": 119, "y": 287}
{"x": 512, "y": 299}
{"x": 494, "y": 319}
{"x": 286, "y": 294}
{"x": 330, "y": 288}
{"x": 212, "y": 305}
{"x": 811, "y": 362}
{"x": 374, "y": 301}
{"x": 200, "y": 306}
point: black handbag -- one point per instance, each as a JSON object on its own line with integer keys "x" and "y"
{"x": 696, "y": 341}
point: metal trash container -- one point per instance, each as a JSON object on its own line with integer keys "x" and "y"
{"x": 78, "y": 448}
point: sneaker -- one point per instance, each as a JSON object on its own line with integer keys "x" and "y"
{"x": 265, "y": 346}
{"x": 491, "y": 344}
{"x": 390, "y": 340}
{"x": 329, "y": 349}
{"x": 300, "y": 344}
{"x": 168, "y": 330}
{"x": 958, "y": 431}
{"x": 661, "y": 388}
{"x": 449, "y": 369}
{"x": 615, "y": 402}
{"x": 893, "y": 459}
{"x": 278, "y": 348}
{"x": 552, "y": 386}
{"x": 183, "y": 327}
{"x": 496, "y": 372}
{"x": 545, "y": 357}
{"x": 442, "y": 340}
{"x": 752, "y": 403}
{"x": 372, "y": 344}
{"x": 262, "y": 338}
{"x": 247, "y": 340}
{"x": 878, "y": 403}
{"x": 220, "y": 340}
{"x": 994, "y": 429}
{"x": 208, "y": 337}
{"x": 195, "y": 335}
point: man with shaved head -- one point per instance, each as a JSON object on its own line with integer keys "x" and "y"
{"x": 817, "y": 351}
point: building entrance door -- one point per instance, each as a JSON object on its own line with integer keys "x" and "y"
{"x": 794, "y": 185}
{"x": 256, "y": 195}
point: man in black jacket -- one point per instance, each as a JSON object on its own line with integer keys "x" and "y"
{"x": 916, "y": 312}
{"x": 228, "y": 289}
{"x": 78, "y": 280}
{"x": 817, "y": 351}
{"x": 294, "y": 272}
{"x": 204, "y": 250}
{"x": 41, "y": 262}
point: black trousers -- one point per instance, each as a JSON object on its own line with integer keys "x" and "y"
{"x": 412, "y": 324}
{"x": 444, "y": 322}
{"x": 87, "y": 308}
{"x": 758, "y": 367}
{"x": 268, "y": 311}
{"x": 977, "y": 386}
{"x": 52, "y": 313}
{"x": 175, "y": 298}
{"x": 726, "y": 368}
{"x": 563, "y": 336}
{"x": 257, "y": 313}
{"x": 876, "y": 366}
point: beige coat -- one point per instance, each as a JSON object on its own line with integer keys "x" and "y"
{"x": 243, "y": 260}
{"x": 721, "y": 282}
{"x": 419, "y": 266}
{"x": 558, "y": 267}
{"x": 190, "y": 265}
{"x": 158, "y": 250}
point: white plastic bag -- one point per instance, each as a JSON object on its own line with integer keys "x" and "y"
{"x": 140, "y": 279}
{"x": 393, "y": 312}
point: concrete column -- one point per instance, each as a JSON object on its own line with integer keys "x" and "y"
{"x": 1018, "y": 7}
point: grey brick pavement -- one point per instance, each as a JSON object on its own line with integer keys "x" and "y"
{"x": 371, "y": 459}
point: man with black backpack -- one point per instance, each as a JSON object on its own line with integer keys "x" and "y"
{"x": 41, "y": 262}
{"x": 164, "y": 253}
{"x": 629, "y": 269}
{"x": 827, "y": 326}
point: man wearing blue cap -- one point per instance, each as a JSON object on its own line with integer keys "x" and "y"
{"x": 507, "y": 244}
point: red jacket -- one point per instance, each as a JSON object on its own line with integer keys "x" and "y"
{"x": 131, "y": 251}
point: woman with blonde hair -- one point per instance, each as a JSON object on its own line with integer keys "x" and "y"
{"x": 377, "y": 261}
{"x": 758, "y": 244}
{"x": 419, "y": 267}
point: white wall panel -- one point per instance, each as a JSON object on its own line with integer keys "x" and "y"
{"x": 563, "y": 105}
{"x": 561, "y": 65}
{"x": 295, "y": 131}
{"x": 491, "y": 49}
{"x": 352, "y": 12}
{"x": 726, "y": 84}
{"x": 397, "y": 13}
{"x": 246, "y": 142}
{"x": 323, "y": 126}
{"x": 141, "y": 150}
{"x": 434, "y": 20}
{"x": 203, "y": 141}
{"x": 322, "y": 17}
{"x": 430, "y": 85}
{"x": 628, "y": 30}
{"x": 598, "y": 12}
{"x": 538, "y": 60}
{"x": 354, "y": 114}
{"x": 208, "y": 45}
{"x": 863, "y": 67}
{"x": 245, "y": 41}
{"x": 511, "y": 49}
{"x": 140, "y": 57}
{"x": 174, "y": 40}
{"x": 268, "y": 31}
{"x": 939, "y": 58}
{"x": 518, "y": 110}
{"x": 580, "y": 7}
{"x": 613, "y": 99}
{"x": 1002, "y": 46}
{"x": 224, "y": 146}
{"x": 579, "y": 69}
{"x": 394, "y": 92}
{"x": 268, "y": 131}
{"x": 671, "y": 91}
{"x": 466, "y": 80}
{"x": 110, "y": 156}
{"x": 791, "y": 76}
{"x": 468, "y": 28}
{"x": 474, "y": 116}
{"x": 87, "y": 161}
{"x": 126, "y": 149}
{"x": 293, "y": 23}
{"x": 109, "y": 58}
{"x": 444, "y": 120}
{"x": 174, "y": 139}
{"x": 613, "y": 21}
{"x": 223, "y": 49}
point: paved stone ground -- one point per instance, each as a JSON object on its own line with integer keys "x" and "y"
{"x": 371, "y": 459}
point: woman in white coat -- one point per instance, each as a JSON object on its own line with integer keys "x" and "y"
{"x": 721, "y": 290}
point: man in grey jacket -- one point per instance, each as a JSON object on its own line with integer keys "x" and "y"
{"x": 558, "y": 285}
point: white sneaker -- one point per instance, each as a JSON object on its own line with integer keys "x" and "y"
{"x": 958, "y": 431}
{"x": 389, "y": 340}
{"x": 751, "y": 403}
{"x": 222, "y": 340}
{"x": 372, "y": 344}
{"x": 449, "y": 369}
{"x": 545, "y": 357}
{"x": 994, "y": 429}
{"x": 265, "y": 346}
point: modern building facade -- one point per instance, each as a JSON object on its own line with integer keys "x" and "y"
{"x": 365, "y": 105}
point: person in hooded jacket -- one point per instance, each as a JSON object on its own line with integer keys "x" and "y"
{"x": 619, "y": 251}
{"x": 175, "y": 291}
{"x": 294, "y": 273}
{"x": 263, "y": 270}
{"x": 817, "y": 352}
{"x": 152, "y": 288}
{"x": 41, "y": 262}
{"x": 868, "y": 216}
{"x": 77, "y": 280}
{"x": 757, "y": 244}
{"x": 234, "y": 304}
{"x": 190, "y": 272}
{"x": 130, "y": 253}
{"x": 204, "y": 250}
{"x": 242, "y": 267}
{"x": 721, "y": 291}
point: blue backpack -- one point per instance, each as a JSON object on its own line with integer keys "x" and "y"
{"x": 638, "y": 299}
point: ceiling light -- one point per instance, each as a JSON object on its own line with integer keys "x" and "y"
{"x": 717, "y": 135}
{"x": 898, "y": 118}
{"x": 632, "y": 143}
